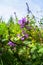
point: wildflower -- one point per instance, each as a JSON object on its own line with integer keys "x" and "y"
{"x": 11, "y": 43}
{"x": 23, "y": 38}
{"x": 22, "y": 22}
{"x": 24, "y": 33}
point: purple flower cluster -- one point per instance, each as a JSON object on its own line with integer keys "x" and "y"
{"x": 22, "y": 22}
{"x": 24, "y": 37}
{"x": 11, "y": 43}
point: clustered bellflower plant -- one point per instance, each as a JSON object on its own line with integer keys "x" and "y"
{"x": 23, "y": 23}
{"x": 21, "y": 43}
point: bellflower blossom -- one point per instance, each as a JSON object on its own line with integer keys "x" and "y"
{"x": 11, "y": 43}
{"x": 22, "y": 22}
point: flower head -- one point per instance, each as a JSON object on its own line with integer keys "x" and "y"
{"x": 11, "y": 43}
{"x": 22, "y": 22}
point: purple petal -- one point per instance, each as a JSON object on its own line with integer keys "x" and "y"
{"x": 23, "y": 19}
{"x": 11, "y": 43}
{"x": 20, "y": 22}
